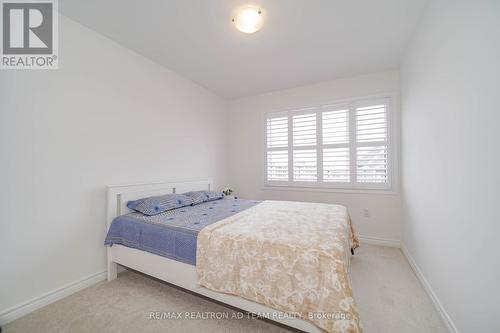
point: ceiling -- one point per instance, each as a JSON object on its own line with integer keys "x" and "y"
{"x": 301, "y": 42}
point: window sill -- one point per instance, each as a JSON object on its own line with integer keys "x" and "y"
{"x": 268, "y": 187}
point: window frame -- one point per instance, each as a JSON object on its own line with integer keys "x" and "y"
{"x": 349, "y": 187}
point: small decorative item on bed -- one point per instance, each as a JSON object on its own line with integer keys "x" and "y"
{"x": 228, "y": 191}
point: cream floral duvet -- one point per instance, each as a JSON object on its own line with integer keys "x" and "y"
{"x": 290, "y": 256}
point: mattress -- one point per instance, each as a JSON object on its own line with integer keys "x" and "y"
{"x": 172, "y": 234}
{"x": 289, "y": 256}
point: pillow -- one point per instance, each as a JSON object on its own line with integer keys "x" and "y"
{"x": 204, "y": 196}
{"x": 159, "y": 204}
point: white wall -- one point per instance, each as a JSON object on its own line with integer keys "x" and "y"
{"x": 451, "y": 161}
{"x": 106, "y": 116}
{"x": 247, "y": 149}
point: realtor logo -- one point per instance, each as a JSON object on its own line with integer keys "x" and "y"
{"x": 29, "y": 34}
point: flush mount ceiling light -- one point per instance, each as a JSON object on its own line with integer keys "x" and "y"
{"x": 248, "y": 19}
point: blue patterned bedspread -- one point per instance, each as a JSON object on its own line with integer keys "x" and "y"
{"x": 172, "y": 234}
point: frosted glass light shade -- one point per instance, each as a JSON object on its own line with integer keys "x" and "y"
{"x": 248, "y": 20}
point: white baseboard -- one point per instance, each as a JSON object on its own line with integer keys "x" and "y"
{"x": 379, "y": 241}
{"x": 450, "y": 326}
{"x": 55, "y": 295}
{"x": 50, "y": 297}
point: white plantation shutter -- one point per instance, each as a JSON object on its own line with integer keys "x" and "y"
{"x": 371, "y": 165}
{"x": 304, "y": 134}
{"x": 277, "y": 132}
{"x": 335, "y": 127}
{"x": 277, "y": 165}
{"x": 371, "y": 141}
{"x": 277, "y": 146}
{"x": 304, "y": 165}
{"x": 337, "y": 146}
{"x": 304, "y": 130}
{"x": 336, "y": 157}
{"x": 371, "y": 123}
{"x": 336, "y": 165}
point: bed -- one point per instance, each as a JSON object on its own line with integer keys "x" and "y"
{"x": 207, "y": 248}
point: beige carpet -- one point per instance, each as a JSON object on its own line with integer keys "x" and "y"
{"x": 388, "y": 294}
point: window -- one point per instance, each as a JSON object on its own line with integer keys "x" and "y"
{"x": 330, "y": 146}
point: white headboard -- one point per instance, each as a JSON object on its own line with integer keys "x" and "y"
{"x": 119, "y": 195}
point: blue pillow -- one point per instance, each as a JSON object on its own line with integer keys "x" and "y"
{"x": 204, "y": 196}
{"x": 159, "y": 204}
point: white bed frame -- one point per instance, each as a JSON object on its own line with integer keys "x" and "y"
{"x": 171, "y": 271}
